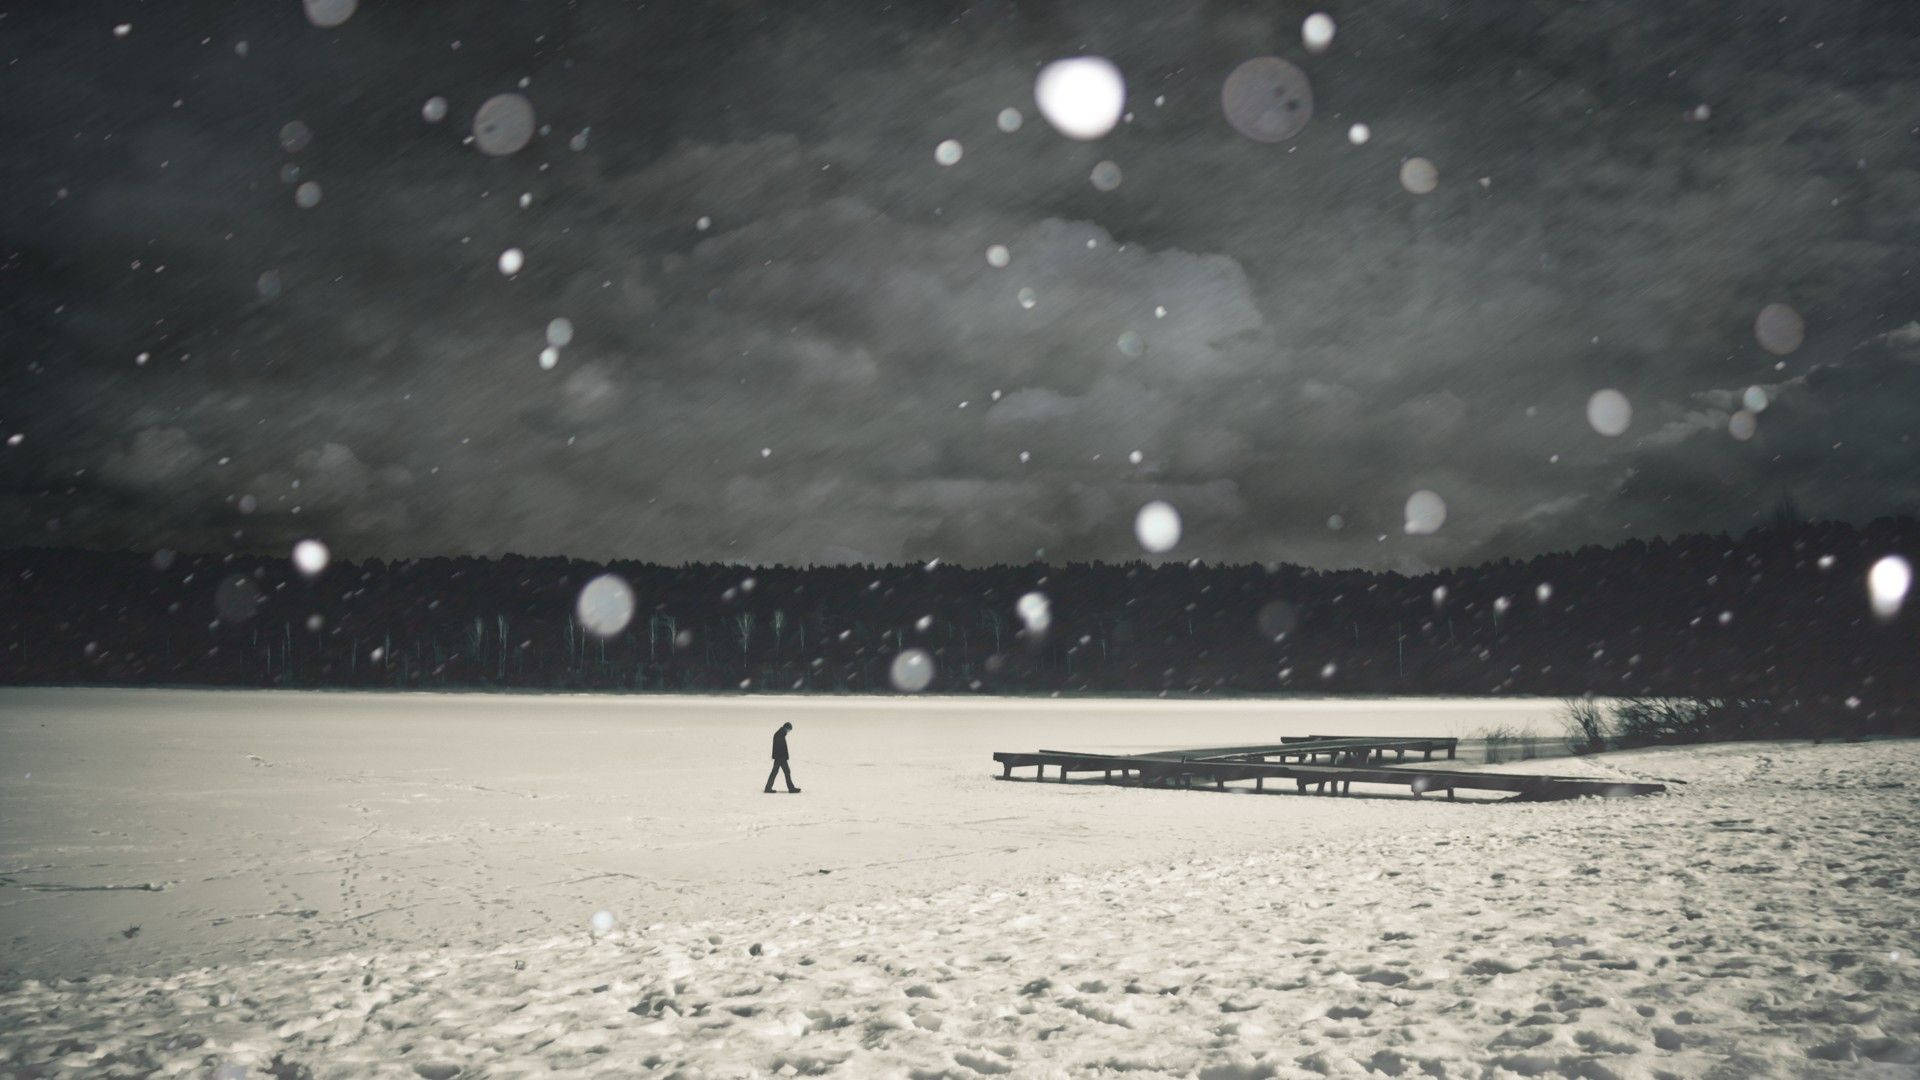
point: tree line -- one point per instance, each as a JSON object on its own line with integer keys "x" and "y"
{"x": 1779, "y": 614}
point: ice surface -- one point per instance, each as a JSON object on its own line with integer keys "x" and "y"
{"x": 406, "y": 886}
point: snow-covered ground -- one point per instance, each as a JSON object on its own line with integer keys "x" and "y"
{"x": 372, "y": 885}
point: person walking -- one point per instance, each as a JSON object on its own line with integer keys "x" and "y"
{"x": 780, "y": 760}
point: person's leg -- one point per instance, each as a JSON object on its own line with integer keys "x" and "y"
{"x": 789, "y": 774}
{"x": 777, "y": 766}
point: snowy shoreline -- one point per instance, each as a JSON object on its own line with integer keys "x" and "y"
{"x": 1755, "y": 921}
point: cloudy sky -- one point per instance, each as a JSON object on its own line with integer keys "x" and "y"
{"x": 196, "y": 353}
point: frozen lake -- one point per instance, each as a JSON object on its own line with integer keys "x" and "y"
{"x": 277, "y": 823}
{"x": 352, "y": 886}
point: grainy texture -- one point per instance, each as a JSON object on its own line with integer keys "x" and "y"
{"x": 1757, "y": 921}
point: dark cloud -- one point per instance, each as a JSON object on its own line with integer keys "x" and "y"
{"x": 832, "y": 370}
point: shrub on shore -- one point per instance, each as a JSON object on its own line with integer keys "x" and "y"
{"x": 1668, "y": 721}
{"x": 1586, "y": 726}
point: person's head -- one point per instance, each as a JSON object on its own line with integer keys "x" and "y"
{"x": 788, "y": 726}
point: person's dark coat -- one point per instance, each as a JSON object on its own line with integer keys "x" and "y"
{"x": 780, "y": 745}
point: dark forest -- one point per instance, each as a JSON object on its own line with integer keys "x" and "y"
{"x": 1778, "y": 615}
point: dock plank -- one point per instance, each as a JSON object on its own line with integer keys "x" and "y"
{"x": 1178, "y": 767}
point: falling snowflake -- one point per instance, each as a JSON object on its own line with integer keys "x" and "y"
{"x": 1157, "y": 526}
{"x": 1081, "y": 97}
{"x": 911, "y": 671}
{"x": 310, "y": 557}
{"x": 1425, "y": 512}
{"x": 1316, "y": 33}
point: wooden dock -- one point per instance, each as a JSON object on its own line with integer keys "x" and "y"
{"x": 1349, "y": 760}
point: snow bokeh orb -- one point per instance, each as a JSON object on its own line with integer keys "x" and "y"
{"x": 1439, "y": 595}
{"x": 948, "y": 152}
{"x": 267, "y": 284}
{"x": 549, "y": 358}
{"x": 1543, "y": 592}
{"x": 1135, "y": 457}
{"x": 605, "y": 605}
{"x": 1036, "y": 611}
{"x": 1887, "y": 585}
{"x": 1779, "y": 329}
{"x": 511, "y": 260}
{"x": 1419, "y": 176}
{"x": 1742, "y": 425}
{"x": 503, "y": 125}
{"x": 602, "y": 922}
{"x": 236, "y": 599}
{"x": 1277, "y": 618}
{"x": 1755, "y": 399}
{"x": 1316, "y": 33}
{"x": 1358, "y": 134}
{"x": 310, "y": 557}
{"x": 1131, "y": 343}
{"x": 998, "y": 256}
{"x": 328, "y": 14}
{"x": 295, "y": 136}
{"x": 560, "y": 333}
{"x": 1426, "y": 511}
{"x": 435, "y": 110}
{"x": 307, "y": 195}
{"x": 1609, "y": 412}
{"x": 1157, "y": 526}
{"x": 1105, "y": 176}
{"x": 912, "y": 671}
{"x": 1267, "y": 99}
{"x": 1082, "y": 97}
{"x": 1027, "y": 298}
{"x": 1009, "y": 120}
